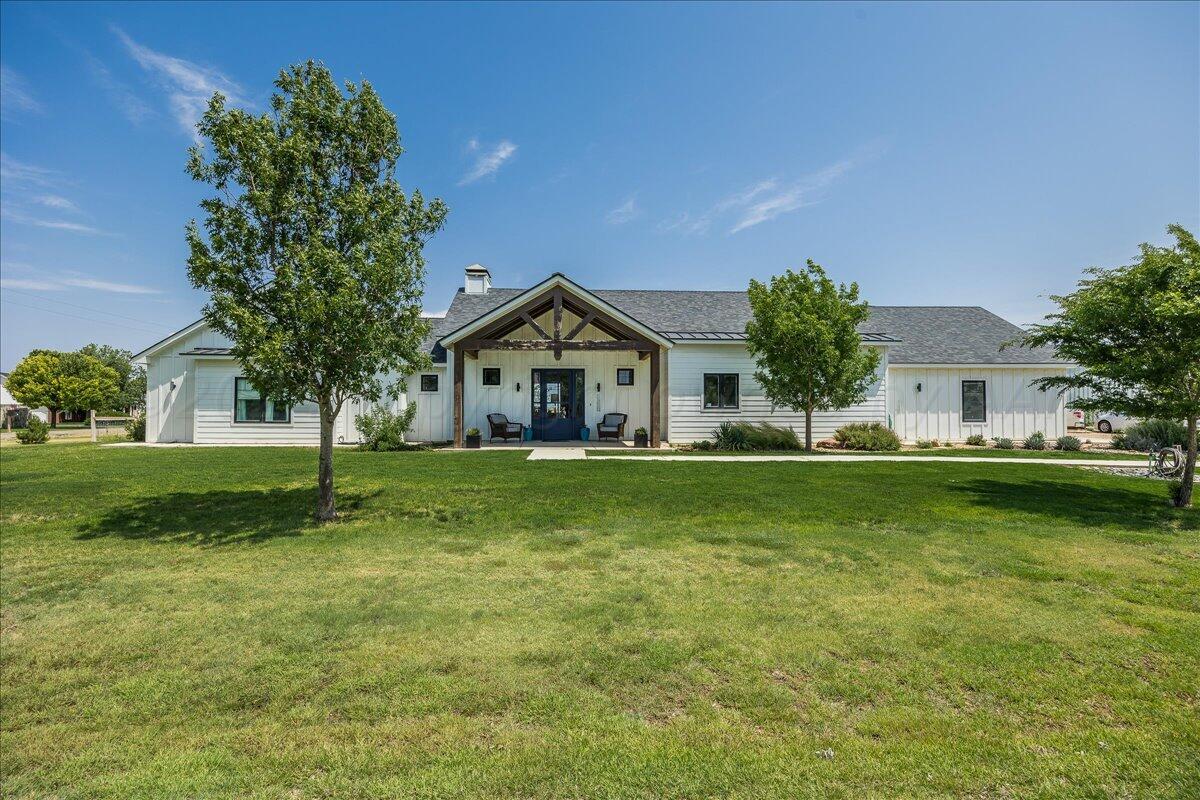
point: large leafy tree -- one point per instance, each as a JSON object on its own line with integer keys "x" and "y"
{"x": 805, "y": 340}
{"x": 131, "y": 377}
{"x": 59, "y": 381}
{"x": 1135, "y": 331}
{"x": 311, "y": 251}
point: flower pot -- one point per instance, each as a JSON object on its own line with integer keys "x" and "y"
{"x": 473, "y": 442}
{"x": 584, "y": 433}
{"x": 527, "y": 434}
{"x": 641, "y": 440}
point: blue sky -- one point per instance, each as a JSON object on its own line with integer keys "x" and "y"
{"x": 936, "y": 154}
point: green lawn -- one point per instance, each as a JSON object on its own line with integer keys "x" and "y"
{"x": 482, "y": 626}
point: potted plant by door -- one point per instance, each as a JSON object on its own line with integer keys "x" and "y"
{"x": 641, "y": 438}
{"x": 473, "y": 439}
{"x": 585, "y": 432}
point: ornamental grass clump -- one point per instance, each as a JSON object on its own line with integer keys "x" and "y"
{"x": 1070, "y": 444}
{"x": 1035, "y": 441}
{"x": 977, "y": 440}
{"x": 1004, "y": 443}
{"x": 867, "y": 436}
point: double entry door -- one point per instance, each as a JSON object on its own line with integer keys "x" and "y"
{"x": 557, "y": 403}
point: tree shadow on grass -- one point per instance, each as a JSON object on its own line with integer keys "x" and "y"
{"x": 216, "y": 517}
{"x": 1143, "y": 508}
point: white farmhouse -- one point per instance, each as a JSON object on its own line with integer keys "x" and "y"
{"x": 557, "y": 357}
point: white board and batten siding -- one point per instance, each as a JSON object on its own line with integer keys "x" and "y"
{"x": 688, "y": 420}
{"x": 1014, "y": 408}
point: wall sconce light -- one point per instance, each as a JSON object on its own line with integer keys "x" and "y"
{"x": 172, "y": 386}
{"x": 518, "y": 386}
{"x": 597, "y": 387}
{"x": 918, "y": 386}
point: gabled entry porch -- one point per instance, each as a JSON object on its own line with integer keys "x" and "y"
{"x": 556, "y": 359}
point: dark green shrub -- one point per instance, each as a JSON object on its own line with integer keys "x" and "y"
{"x": 731, "y": 436}
{"x": 867, "y": 436}
{"x": 1152, "y": 433}
{"x": 1069, "y": 443}
{"x": 35, "y": 432}
{"x": 1035, "y": 441}
{"x": 136, "y": 428}
{"x": 977, "y": 440}
{"x": 383, "y": 431}
{"x": 1004, "y": 443}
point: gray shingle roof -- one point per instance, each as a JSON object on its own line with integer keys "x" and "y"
{"x": 926, "y": 334}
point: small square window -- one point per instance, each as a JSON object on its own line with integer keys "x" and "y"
{"x": 491, "y": 376}
{"x": 624, "y": 376}
{"x": 429, "y": 383}
{"x": 250, "y": 406}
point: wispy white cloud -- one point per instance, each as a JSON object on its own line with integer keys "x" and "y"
{"x": 133, "y": 107}
{"x": 19, "y": 174}
{"x": 768, "y": 199}
{"x": 487, "y": 160}
{"x": 61, "y": 281}
{"x": 23, "y": 218}
{"x": 805, "y": 192}
{"x": 688, "y": 224}
{"x": 15, "y": 94}
{"x": 83, "y": 282}
{"x": 189, "y": 86}
{"x": 30, "y": 284}
{"x": 55, "y": 201}
{"x": 625, "y": 212}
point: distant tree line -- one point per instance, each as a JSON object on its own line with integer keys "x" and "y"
{"x": 97, "y": 377}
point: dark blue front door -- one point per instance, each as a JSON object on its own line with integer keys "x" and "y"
{"x": 557, "y": 404}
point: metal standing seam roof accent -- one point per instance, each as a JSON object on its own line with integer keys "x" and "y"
{"x": 208, "y": 351}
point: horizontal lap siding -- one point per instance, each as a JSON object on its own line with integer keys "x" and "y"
{"x": 214, "y": 412}
{"x": 689, "y": 422}
{"x": 1015, "y": 409}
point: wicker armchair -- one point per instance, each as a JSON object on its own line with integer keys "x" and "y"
{"x": 611, "y": 427}
{"x": 502, "y": 428}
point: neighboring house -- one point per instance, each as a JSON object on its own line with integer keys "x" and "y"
{"x": 557, "y": 356}
{"x": 16, "y": 415}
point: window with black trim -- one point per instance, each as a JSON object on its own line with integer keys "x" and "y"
{"x": 721, "y": 390}
{"x": 624, "y": 376}
{"x": 250, "y": 406}
{"x": 491, "y": 376}
{"x": 974, "y": 401}
{"x": 429, "y": 383}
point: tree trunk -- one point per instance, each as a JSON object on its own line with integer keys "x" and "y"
{"x": 326, "y": 510}
{"x": 808, "y": 430}
{"x": 1189, "y": 467}
{"x": 53, "y": 417}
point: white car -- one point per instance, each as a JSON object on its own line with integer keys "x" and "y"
{"x": 1076, "y": 418}
{"x": 1111, "y": 421}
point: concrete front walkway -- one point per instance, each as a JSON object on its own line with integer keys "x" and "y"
{"x": 1062, "y": 462}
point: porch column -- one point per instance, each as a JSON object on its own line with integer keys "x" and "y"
{"x": 655, "y": 400}
{"x": 459, "y": 355}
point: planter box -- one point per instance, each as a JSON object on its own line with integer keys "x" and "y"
{"x": 473, "y": 442}
{"x": 641, "y": 440}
